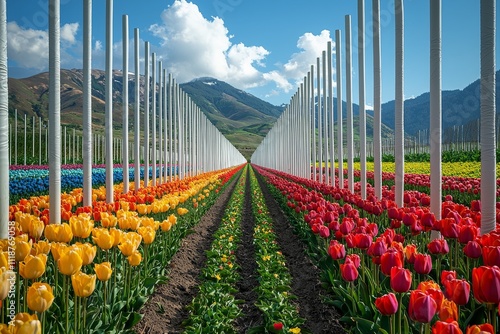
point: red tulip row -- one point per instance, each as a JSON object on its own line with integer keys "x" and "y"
{"x": 381, "y": 250}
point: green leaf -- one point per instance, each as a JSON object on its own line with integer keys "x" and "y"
{"x": 139, "y": 302}
{"x": 133, "y": 319}
{"x": 118, "y": 307}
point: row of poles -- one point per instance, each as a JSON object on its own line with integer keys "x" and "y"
{"x": 188, "y": 142}
{"x": 304, "y": 136}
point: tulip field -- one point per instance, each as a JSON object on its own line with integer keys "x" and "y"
{"x": 380, "y": 267}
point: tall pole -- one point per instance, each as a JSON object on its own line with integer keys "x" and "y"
{"x": 146, "y": 114}
{"x": 137, "y": 115}
{"x": 325, "y": 117}
{"x": 330, "y": 113}
{"x": 362, "y": 102}
{"x": 54, "y": 113}
{"x": 153, "y": 116}
{"x": 320, "y": 118}
{"x": 340, "y": 139}
{"x": 170, "y": 124}
{"x": 125, "y": 159}
{"x": 348, "y": 83}
{"x": 488, "y": 110}
{"x": 109, "y": 102}
{"x": 4, "y": 124}
{"x": 87, "y": 103}
{"x": 377, "y": 101}
{"x": 399, "y": 106}
{"x": 15, "y": 136}
{"x": 436, "y": 111}
{"x": 160, "y": 120}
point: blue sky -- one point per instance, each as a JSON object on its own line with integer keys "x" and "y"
{"x": 261, "y": 46}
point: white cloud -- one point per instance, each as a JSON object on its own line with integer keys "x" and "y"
{"x": 194, "y": 46}
{"x": 29, "y": 48}
{"x": 68, "y": 32}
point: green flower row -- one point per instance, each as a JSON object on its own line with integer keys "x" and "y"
{"x": 275, "y": 299}
{"x": 215, "y": 308}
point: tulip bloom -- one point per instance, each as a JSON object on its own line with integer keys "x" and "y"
{"x": 103, "y": 271}
{"x": 6, "y": 276}
{"x": 41, "y": 247}
{"x": 83, "y": 284}
{"x": 28, "y": 327}
{"x": 33, "y": 266}
{"x": 391, "y": 258}
{"x": 59, "y": 233}
{"x": 362, "y": 240}
{"x": 473, "y": 250}
{"x": 135, "y": 259}
{"x": 23, "y": 247}
{"x": 422, "y": 264}
{"x": 438, "y": 246}
{"x": 40, "y": 297}
{"x": 148, "y": 234}
{"x": 336, "y": 250}
{"x": 103, "y": 238}
{"x": 480, "y": 329}
{"x": 81, "y": 225}
{"x": 486, "y": 284}
{"x": 491, "y": 255}
{"x": 422, "y": 306}
{"x": 349, "y": 271}
{"x": 458, "y": 290}
{"x": 70, "y": 262}
{"x": 387, "y": 304}
{"x": 448, "y": 310}
{"x": 446, "y": 327}
{"x": 400, "y": 279}
{"x": 87, "y": 252}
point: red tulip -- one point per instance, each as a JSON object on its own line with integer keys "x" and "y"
{"x": 387, "y": 304}
{"x": 457, "y": 290}
{"x": 449, "y": 228}
{"x": 491, "y": 255}
{"x": 347, "y": 225}
{"x": 446, "y": 327}
{"x": 486, "y": 284}
{"x": 362, "y": 240}
{"x": 422, "y": 306}
{"x": 349, "y": 271}
{"x": 391, "y": 258}
{"x": 377, "y": 248}
{"x": 438, "y": 246}
{"x": 475, "y": 205}
{"x": 447, "y": 275}
{"x": 324, "y": 232}
{"x": 336, "y": 250}
{"x": 393, "y": 213}
{"x": 400, "y": 279}
{"x": 480, "y": 329}
{"x": 278, "y": 326}
{"x": 422, "y": 264}
{"x": 467, "y": 233}
{"x": 410, "y": 219}
{"x": 473, "y": 250}
{"x": 353, "y": 258}
{"x": 428, "y": 220}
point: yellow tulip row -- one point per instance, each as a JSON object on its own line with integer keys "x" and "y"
{"x": 70, "y": 247}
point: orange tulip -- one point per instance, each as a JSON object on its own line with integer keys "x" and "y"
{"x": 448, "y": 310}
{"x": 480, "y": 329}
{"x": 40, "y": 297}
{"x": 33, "y": 267}
{"x": 103, "y": 271}
{"x": 83, "y": 284}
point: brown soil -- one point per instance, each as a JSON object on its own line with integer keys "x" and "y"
{"x": 185, "y": 267}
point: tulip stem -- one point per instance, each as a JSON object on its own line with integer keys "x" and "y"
{"x": 66, "y": 300}
{"x": 400, "y": 299}
{"x": 105, "y": 306}
{"x": 77, "y": 309}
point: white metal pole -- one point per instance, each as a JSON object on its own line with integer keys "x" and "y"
{"x": 170, "y": 125}
{"x": 331, "y": 114}
{"x": 25, "y": 139}
{"x": 40, "y": 141}
{"x": 320, "y": 118}
{"x": 109, "y": 102}
{"x": 160, "y": 120}
{"x": 399, "y": 105}
{"x": 436, "y": 111}
{"x": 33, "y": 138}
{"x": 340, "y": 121}
{"x": 15, "y": 137}
{"x": 125, "y": 159}
{"x": 146, "y": 114}
{"x": 4, "y": 124}
{"x": 54, "y": 113}
{"x": 348, "y": 81}
{"x": 488, "y": 109}
{"x": 153, "y": 116}
{"x": 137, "y": 114}
{"x": 377, "y": 103}
{"x": 325, "y": 118}
{"x": 361, "y": 95}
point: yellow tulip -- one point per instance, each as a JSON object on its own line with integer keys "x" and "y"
{"x": 24, "y": 221}
{"x": 148, "y": 234}
{"x": 33, "y": 267}
{"x": 4, "y": 245}
{"x": 135, "y": 259}
{"x": 182, "y": 211}
{"x": 40, "y": 297}
{"x": 172, "y": 219}
{"x": 108, "y": 220}
{"x": 150, "y": 222}
{"x": 30, "y": 327}
{"x": 125, "y": 205}
{"x": 36, "y": 228}
{"x": 70, "y": 262}
{"x": 133, "y": 223}
{"x": 103, "y": 238}
{"x": 23, "y": 248}
{"x": 57, "y": 249}
{"x": 7, "y": 278}
{"x": 59, "y": 232}
{"x": 41, "y": 247}
{"x": 127, "y": 247}
{"x": 142, "y": 209}
{"x": 103, "y": 271}
{"x": 82, "y": 225}
{"x": 87, "y": 252}
{"x": 165, "y": 225}
{"x": 4, "y": 260}
{"x": 117, "y": 234}
{"x": 83, "y": 284}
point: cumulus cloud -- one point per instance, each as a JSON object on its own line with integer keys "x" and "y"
{"x": 29, "y": 48}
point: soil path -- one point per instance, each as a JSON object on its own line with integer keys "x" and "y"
{"x": 306, "y": 285}
{"x": 183, "y": 274}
